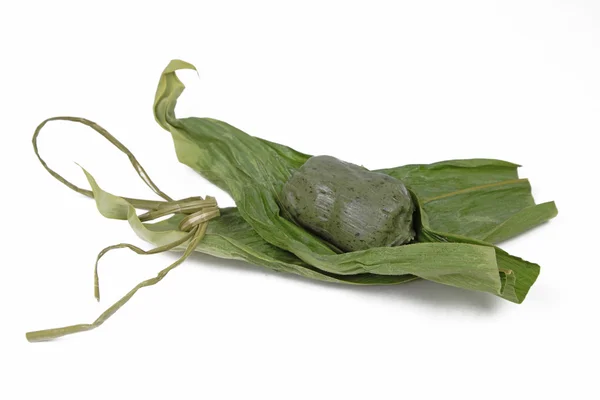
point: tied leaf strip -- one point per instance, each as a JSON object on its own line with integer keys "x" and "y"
{"x": 199, "y": 211}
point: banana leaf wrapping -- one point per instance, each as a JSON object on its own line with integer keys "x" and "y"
{"x": 463, "y": 207}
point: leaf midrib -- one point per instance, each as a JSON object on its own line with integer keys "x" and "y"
{"x": 473, "y": 189}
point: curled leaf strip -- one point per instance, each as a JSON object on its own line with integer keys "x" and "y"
{"x": 135, "y": 249}
{"x": 48, "y": 334}
{"x": 200, "y": 212}
{"x": 137, "y": 203}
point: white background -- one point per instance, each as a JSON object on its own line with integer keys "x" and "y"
{"x": 376, "y": 83}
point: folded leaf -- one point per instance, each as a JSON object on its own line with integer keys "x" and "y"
{"x": 517, "y": 275}
{"x": 228, "y": 236}
{"x": 253, "y": 171}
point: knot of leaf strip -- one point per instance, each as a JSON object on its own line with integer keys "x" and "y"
{"x": 197, "y": 210}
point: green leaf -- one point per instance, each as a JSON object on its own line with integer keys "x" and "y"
{"x": 493, "y": 192}
{"x": 109, "y": 205}
{"x": 231, "y": 237}
{"x": 253, "y": 172}
{"x": 475, "y": 197}
{"x": 517, "y": 275}
{"x": 228, "y": 236}
{"x": 522, "y": 221}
